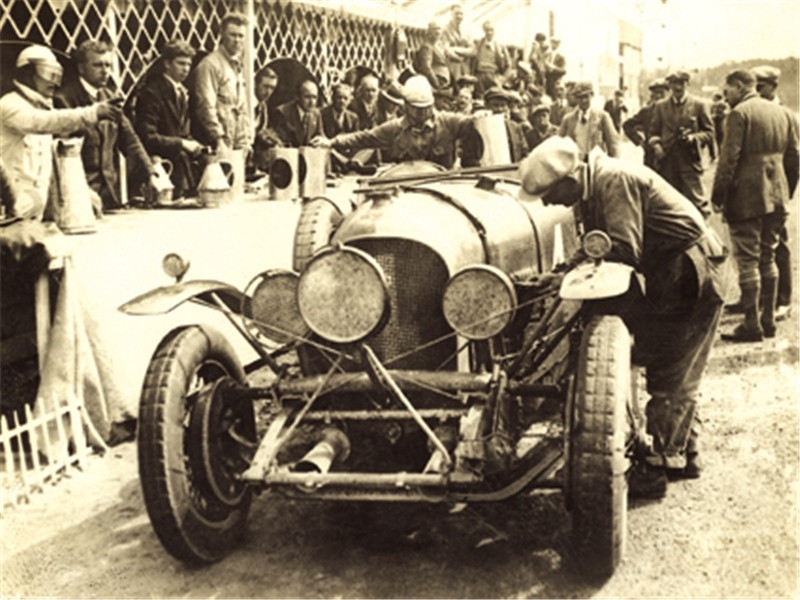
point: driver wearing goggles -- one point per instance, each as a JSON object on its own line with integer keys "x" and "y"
{"x": 422, "y": 133}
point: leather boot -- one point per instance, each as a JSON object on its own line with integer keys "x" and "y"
{"x": 769, "y": 297}
{"x": 750, "y": 330}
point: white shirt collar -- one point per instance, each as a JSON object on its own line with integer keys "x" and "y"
{"x": 90, "y": 89}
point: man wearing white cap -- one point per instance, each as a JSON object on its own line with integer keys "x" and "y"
{"x": 28, "y": 122}
{"x": 659, "y": 232}
{"x": 421, "y": 133}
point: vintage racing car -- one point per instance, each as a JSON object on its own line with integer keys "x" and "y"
{"x": 416, "y": 355}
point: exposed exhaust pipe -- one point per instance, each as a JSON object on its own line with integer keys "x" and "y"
{"x": 333, "y": 446}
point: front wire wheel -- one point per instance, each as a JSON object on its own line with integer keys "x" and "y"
{"x": 599, "y": 431}
{"x": 197, "y": 507}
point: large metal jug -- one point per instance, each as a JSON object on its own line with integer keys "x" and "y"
{"x": 214, "y": 188}
{"x": 160, "y": 189}
{"x": 73, "y": 208}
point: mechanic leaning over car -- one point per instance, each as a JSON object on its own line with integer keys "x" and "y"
{"x": 663, "y": 235}
{"x": 422, "y": 133}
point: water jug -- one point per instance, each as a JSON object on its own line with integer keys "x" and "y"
{"x": 160, "y": 188}
{"x": 73, "y": 210}
{"x": 215, "y": 184}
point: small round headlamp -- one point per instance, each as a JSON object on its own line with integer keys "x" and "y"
{"x": 342, "y": 295}
{"x": 272, "y": 306}
{"x": 596, "y": 244}
{"x": 479, "y": 302}
{"x": 175, "y": 266}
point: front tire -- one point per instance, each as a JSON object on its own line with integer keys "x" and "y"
{"x": 192, "y": 519}
{"x": 598, "y": 486}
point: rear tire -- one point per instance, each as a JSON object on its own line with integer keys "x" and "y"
{"x": 193, "y": 522}
{"x": 599, "y": 432}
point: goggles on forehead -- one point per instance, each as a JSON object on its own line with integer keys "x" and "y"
{"x": 50, "y": 73}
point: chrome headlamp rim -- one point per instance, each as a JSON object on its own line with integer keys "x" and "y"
{"x": 596, "y": 244}
{"x": 486, "y": 312}
{"x": 281, "y": 327}
{"x": 343, "y": 295}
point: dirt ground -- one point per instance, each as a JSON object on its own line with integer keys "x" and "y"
{"x": 731, "y": 533}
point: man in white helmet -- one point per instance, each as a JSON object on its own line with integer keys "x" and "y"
{"x": 28, "y": 122}
{"x": 664, "y": 236}
{"x": 421, "y": 133}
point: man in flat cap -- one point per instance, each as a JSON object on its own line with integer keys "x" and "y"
{"x": 541, "y": 127}
{"x": 499, "y": 101}
{"x": 616, "y": 108}
{"x": 766, "y": 85}
{"x": 757, "y": 170}
{"x": 588, "y": 126}
{"x": 422, "y": 133}
{"x": 681, "y": 125}
{"x": 659, "y": 232}
{"x": 636, "y": 128}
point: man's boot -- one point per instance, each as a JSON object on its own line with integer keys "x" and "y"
{"x": 750, "y": 330}
{"x": 769, "y": 297}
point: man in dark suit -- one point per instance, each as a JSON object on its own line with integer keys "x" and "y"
{"x": 589, "y": 126}
{"x": 102, "y": 142}
{"x": 265, "y": 135}
{"x": 162, "y": 118}
{"x": 297, "y": 122}
{"x": 680, "y": 126}
{"x": 616, "y": 108}
{"x": 431, "y": 58}
{"x": 365, "y": 103}
{"x": 757, "y": 170}
{"x": 336, "y": 119}
{"x": 636, "y": 127}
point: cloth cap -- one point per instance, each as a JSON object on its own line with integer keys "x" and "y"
{"x": 514, "y": 96}
{"x": 582, "y": 88}
{"x": 467, "y": 80}
{"x": 541, "y": 108}
{"x": 555, "y": 39}
{"x": 679, "y": 76}
{"x": 417, "y": 91}
{"x": 37, "y": 55}
{"x": 496, "y": 93}
{"x": 549, "y": 162}
{"x": 619, "y": 93}
{"x": 657, "y": 84}
{"x": 524, "y": 67}
{"x": 767, "y": 74}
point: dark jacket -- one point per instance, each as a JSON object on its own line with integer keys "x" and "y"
{"x": 517, "y": 144}
{"x": 100, "y": 146}
{"x": 290, "y": 129}
{"x": 332, "y": 128}
{"x": 535, "y": 137}
{"x": 431, "y": 61}
{"x": 669, "y": 118}
{"x": 636, "y": 129}
{"x": 162, "y": 122}
{"x": 751, "y": 180}
{"x": 616, "y": 111}
{"x": 366, "y": 120}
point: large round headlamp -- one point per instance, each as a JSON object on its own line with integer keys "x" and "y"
{"x": 343, "y": 295}
{"x": 596, "y": 244}
{"x": 271, "y": 304}
{"x": 479, "y": 302}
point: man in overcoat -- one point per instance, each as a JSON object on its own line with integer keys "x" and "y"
{"x": 637, "y": 127}
{"x": 751, "y": 188}
{"x": 681, "y": 125}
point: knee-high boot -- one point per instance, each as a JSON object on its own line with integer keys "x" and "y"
{"x": 769, "y": 297}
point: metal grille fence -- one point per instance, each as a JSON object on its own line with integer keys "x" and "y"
{"x": 328, "y": 42}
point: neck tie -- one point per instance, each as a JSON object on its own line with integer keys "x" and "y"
{"x": 583, "y": 118}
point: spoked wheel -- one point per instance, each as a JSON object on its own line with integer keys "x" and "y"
{"x": 192, "y": 444}
{"x": 598, "y": 434}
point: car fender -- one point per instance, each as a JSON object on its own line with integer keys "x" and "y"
{"x": 591, "y": 281}
{"x": 166, "y": 298}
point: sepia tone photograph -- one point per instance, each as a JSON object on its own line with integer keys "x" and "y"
{"x": 399, "y": 298}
